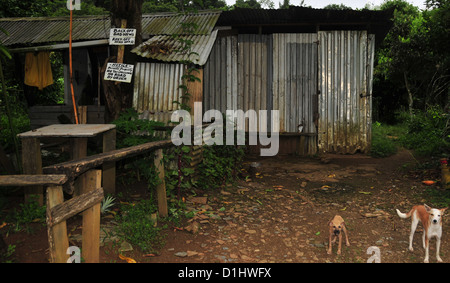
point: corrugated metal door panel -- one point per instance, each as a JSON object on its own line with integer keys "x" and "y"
{"x": 345, "y": 78}
{"x": 295, "y": 81}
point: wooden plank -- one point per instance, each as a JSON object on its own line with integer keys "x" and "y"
{"x": 32, "y": 180}
{"x": 32, "y": 165}
{"x": 74, "y": 206}
{"x": 57, "y": 234}
{"x": 91, "y": 219}
{"x": 109, "y": 168}
{"x": 161, "y": 188}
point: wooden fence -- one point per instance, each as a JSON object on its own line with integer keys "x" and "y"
{"x": 82, "y": 173}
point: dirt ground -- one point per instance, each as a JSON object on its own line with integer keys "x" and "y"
{"x": 281, "y": 213}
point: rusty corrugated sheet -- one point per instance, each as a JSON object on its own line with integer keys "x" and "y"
{"x": 156, "y": 87}
{"x": 345, "y": 83}
{"x": 170, "y": 49}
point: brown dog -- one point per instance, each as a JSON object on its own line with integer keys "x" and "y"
{"x": 337, "y": 225}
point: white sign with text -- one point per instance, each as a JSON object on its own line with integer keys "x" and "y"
{"x": 119, "y": 72}
{"x": 122, "y": 36}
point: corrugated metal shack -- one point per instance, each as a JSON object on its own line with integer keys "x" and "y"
{"x": 314, "y": 66}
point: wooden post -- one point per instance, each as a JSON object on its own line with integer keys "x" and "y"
{"x": 82, "y": 114}
{"x": 121, "y": 48}
{"x": 79, "y": 147}
{"x": 109, "y": 168}
{"x": 57, "y": 234}
{"x": 161, "y": 188}
{"x": 32, "y": 165}
{"x": 78, "y": 151}
{"x": 91, "y": 218}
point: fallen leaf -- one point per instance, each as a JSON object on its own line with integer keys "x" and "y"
{"x": 3, "y": 225}
{"x": 127, "y": 259}
{"x": 365, "y": 193}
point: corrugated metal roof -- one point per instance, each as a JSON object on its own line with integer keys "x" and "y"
{"x": 169, "y": 49}
{"x": 34, "y": 31}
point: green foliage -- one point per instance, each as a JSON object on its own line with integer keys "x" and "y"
{"x": 42, "y": 8}
{"x": 414, "y": 59}
{"x": 428, "y": 132}
{"x": 220, "y": 165}
{"x": 107, "y": 203}
{"x": 133, "y": 131}
{"x": 29, "y": 212}
{"x": 136, "y": 226}
{"x": 384, "y": 140}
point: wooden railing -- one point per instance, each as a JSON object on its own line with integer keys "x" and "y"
{"x": 82, "y": 176}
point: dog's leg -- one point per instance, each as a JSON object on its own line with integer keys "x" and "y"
{"x": 330, "y": 243}
{"x": 438, "y": 246}
{"x": 426, "y": 242}
{"x": 346, "y": 236}
{"x": 414, "y": 223}
{"x": 339, "y": 244}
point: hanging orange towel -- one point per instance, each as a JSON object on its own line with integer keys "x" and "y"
{"x": 38, "y": 70}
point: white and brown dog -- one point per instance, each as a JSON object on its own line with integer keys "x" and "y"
{"x": 431, "y": 219}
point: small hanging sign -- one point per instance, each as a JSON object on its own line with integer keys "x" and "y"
{"x": 122, "y": 36}
{"x": 119, "y": 72}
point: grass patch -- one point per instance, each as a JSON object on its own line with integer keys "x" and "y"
{"x": 385, "y": 139}
{"x": 137, "y": 227}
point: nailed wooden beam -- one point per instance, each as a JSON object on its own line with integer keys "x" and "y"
{"x": 32, "y": 180}
{"x": 72, "y": 207}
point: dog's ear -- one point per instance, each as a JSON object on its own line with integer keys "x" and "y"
{"x": 427, "y": 207}
{"x": 443, "y": 209}
{"x": 342, "y": 224}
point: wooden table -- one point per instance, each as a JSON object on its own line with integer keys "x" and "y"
{"x": 78, "y": 135}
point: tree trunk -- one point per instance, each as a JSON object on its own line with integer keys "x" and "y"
{"x": 120, "y": 96}
{"x": 410, "y": 95}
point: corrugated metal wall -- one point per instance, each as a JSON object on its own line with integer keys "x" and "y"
{"x": 155, "y": 88}
{"x": 345, "y": 83}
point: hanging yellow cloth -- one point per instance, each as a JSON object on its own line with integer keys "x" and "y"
{"x": 38, "y": 70}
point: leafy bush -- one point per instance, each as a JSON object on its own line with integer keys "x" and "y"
{"x": 428, "y": 132}
{"x": 134, "y": 131}
{"x": 220, "y": 164}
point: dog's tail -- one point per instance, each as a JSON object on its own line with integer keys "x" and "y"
{"x": 404, "y": 215}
